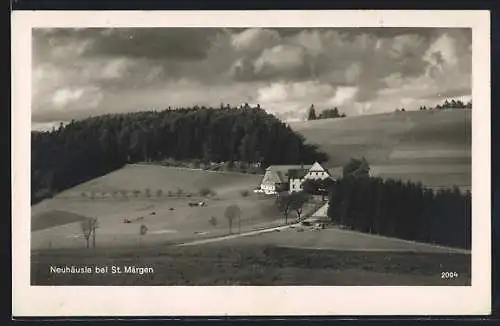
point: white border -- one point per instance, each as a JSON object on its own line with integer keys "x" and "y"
{"x": 206, "y": 301}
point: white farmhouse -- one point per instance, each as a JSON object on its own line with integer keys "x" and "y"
{"x": 290, "y": 177}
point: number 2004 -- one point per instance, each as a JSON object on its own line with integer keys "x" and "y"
{"x": 447, "y": 275}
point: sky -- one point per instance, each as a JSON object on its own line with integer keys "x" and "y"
{"x": 77, "y": 73}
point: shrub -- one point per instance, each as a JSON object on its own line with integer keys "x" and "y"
{"x": 196, "y": 163}
{"x": 143, "y": 229}
{"x": 356, "y": 168}
{"x": 244, "y": 193}
{"x": 206, "y": 192}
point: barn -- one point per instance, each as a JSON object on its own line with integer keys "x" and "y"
{"x": 290, "y": 177}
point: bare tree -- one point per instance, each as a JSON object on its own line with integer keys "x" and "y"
{"x": 284, "y": 206}
{"x": 94, "y": 226}
{"x": 292, "y": 202}
{"x": 87, "y": 228}
{"x": 297, "y": 201}
{"x": 232, "y": 212}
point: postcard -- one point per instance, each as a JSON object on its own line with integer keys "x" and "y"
{"x": 251, "y": 163}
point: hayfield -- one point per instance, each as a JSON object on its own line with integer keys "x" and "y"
{"x": 168, "y": 216}
{"x": 335, "y": 239}
{"x": 141, "y": 177}
{"x": 433, "y": 147}
{"x": 250, "y": 265}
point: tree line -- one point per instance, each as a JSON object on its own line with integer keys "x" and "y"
{"x": 453, "y": 104}
{"x": 88, "y": 148}
{"x": 325, "y": 114}
{"x": 401, "y": 209}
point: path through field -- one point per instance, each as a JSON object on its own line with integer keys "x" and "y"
{"x": 296, "y": 236}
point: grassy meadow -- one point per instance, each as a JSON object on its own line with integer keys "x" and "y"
{"x": 433, "y": 147}
{"x": 251, "y": 265}
{"x": 168, "y": 217}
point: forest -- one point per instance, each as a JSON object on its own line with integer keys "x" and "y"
{"x": 88, "y": 148}
{"x": 403, "y": 210}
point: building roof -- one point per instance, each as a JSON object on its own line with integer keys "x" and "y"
{"x": 297, "y": 173}
{"x": 282, "y": 173}
{"x": 286, "y": 168}
{"x": 273, "y": 177}
{"x": 316, "y": 167}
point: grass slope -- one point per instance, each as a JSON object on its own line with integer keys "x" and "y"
{"x": 53, "y": 218}
{"x": 337, "y": 239}
{"x": 168, "y": 218}
{"x": 433, "y": 147}
{"x": 251, "y": 265}
{"x": 155, "y": 177}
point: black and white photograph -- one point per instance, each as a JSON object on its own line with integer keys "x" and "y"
{"x": 269, "y": 156}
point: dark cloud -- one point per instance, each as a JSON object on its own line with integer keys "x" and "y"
{"x": 77, "y": 71}
{"x": 378, "y": 32}
{"x": 154, "y": 43}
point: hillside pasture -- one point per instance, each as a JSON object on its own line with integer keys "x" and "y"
{"x": 433, "y": 147}
{"x": 169, "y": 218}
{"x": 53, "y": 218}
{"x": 381, "y": 134}
{"x": 167, "y": 179}
{"x": 252, "y": 265}
{"x": 336, "y": 239}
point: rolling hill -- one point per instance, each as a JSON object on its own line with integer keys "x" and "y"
{"x": 433, "y": 146}
{"x": 168, "y": 215}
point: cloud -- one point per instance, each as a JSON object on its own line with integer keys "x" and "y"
{"x": 254, "y": 40}
{"x": 77, "y": 72}
{"x": 442, "y": 51}
{"x": 343, "y": 95}
{"x": 292, "y": 99}
{"x": 66, "y": 95}
{"x": 116, "y": 68}
{"x": 183, "y": 44}
{"x": 284, "y": 60}
{"x": 311, "y": 40}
